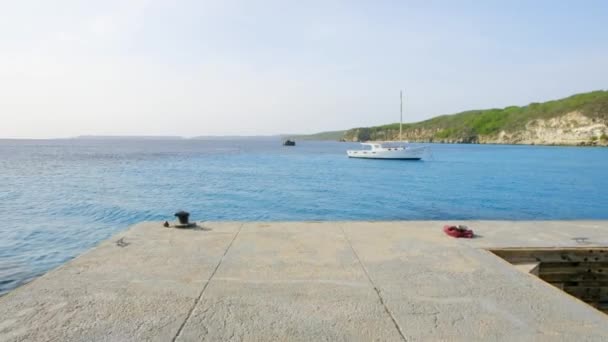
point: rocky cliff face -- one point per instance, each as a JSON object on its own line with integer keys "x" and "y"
{"x": 573, "y": 128}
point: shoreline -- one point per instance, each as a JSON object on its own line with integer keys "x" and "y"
{"x": 485, "y": 143}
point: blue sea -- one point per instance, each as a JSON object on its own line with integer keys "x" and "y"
{"x": 59, "y": 198}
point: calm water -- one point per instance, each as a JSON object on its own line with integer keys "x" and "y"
{"x": 59, "y": 198}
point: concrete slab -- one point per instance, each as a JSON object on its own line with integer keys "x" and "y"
{"x": 440, "y": 287}
{"x": 389, "y": 281}
{"x": 290, "y": 281}
{"x": 138, "y": 285}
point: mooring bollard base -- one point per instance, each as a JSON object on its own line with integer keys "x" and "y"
{"x": 186, "y": 225}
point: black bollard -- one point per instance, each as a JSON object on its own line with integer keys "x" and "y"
{"x": 182, "y": 216}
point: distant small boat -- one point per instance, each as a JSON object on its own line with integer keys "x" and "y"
{"x": 398, "y": 150}
{"x": 289, "y": 142}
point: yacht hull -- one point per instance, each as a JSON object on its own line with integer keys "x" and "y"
{"x": 409, "y": 153}
{"x": 383, "y": 158}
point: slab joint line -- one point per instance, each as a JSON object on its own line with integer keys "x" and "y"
{"x": 369, "y": 278}
{"x": 198, "y": 299}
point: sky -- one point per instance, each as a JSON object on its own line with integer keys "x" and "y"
{"x": 190, "y": 68}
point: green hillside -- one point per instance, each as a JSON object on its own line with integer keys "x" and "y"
{"x": 467, "y": 126}
{"x": 331, "y": 135}
{"x": 476, "y": 125}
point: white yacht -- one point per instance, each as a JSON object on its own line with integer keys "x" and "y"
{"x": 390, "y": 150}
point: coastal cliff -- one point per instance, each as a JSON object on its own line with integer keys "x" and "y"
{"x": 580, "y": 119}
{"x": 572, "y": 128}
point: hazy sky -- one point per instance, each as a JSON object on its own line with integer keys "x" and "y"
{"x": 190, "y": 68}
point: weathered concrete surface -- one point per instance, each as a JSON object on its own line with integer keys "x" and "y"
{"x": 141, "y": 291}
{"x": 443, "y": 289}
{"x": 299, "y": 281}
{"x": 385, "y": 281}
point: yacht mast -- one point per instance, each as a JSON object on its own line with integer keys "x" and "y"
{"x": 401, "y": 113}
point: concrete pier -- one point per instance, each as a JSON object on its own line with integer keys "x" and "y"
{"x": 307, "y": 281}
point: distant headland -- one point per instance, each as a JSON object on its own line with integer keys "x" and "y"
{"x": 127, "y": 137}
{"x": 176, "y": 137}
{"x": 580, "y": 119}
